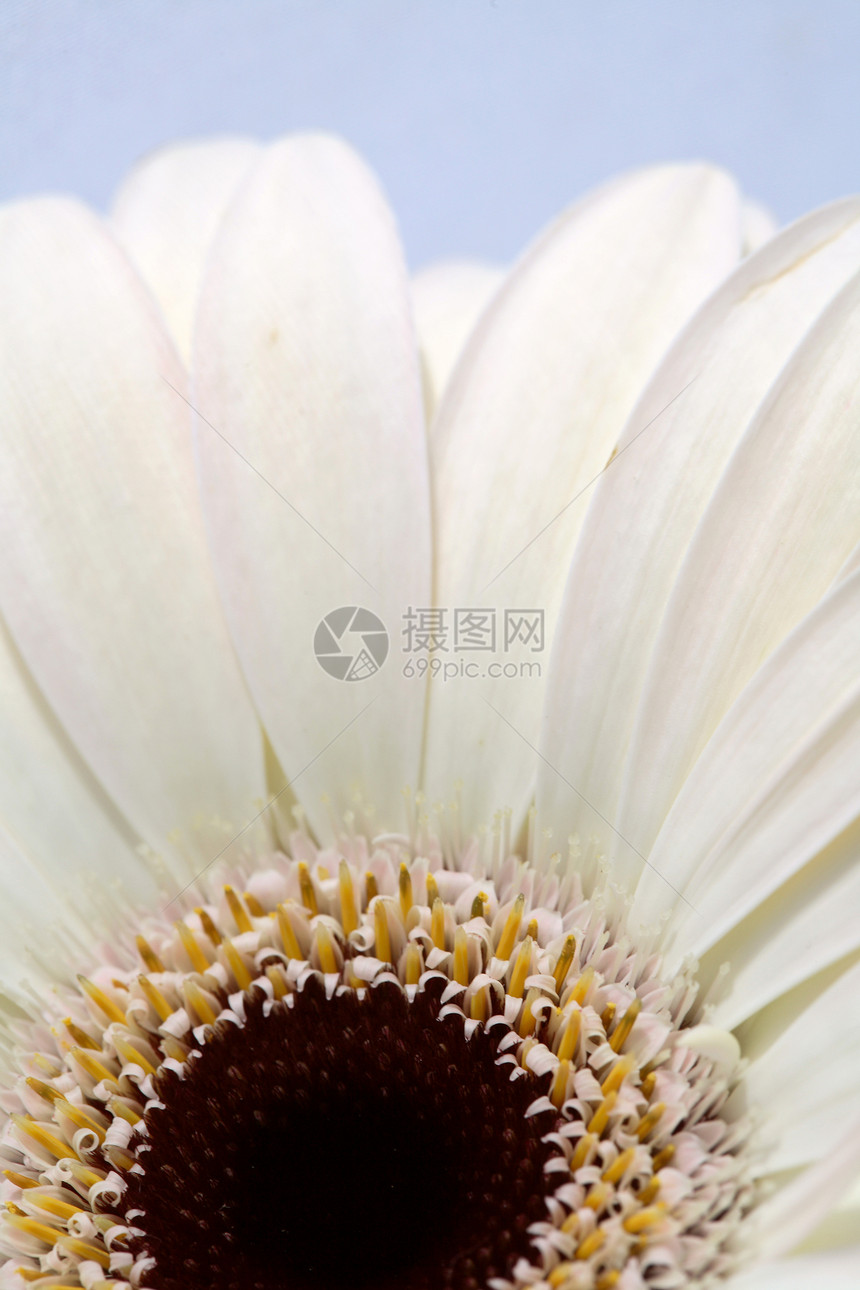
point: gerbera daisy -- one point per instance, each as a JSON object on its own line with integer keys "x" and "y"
{"x": 543, "y": 973}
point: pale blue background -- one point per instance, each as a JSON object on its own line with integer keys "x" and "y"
{"x": 483, "y": 118}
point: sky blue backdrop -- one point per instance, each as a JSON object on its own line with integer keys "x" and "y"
{"x": 482, "y": 117}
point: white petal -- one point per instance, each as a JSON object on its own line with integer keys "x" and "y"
{"x": 851, "y": 565}
{"x": 165, "y": 215}
{"x": 757, "y": 226}
{"x": 804, "y": 1083}
{"x": 105, "y": 581}
{"x": 785, "y": 1220}
{"x": 775, "y": 785}
{"x": 809, "y": 923}
{"x": 312, "y": 457}
{"x": 648, "y": 504}
{"x": 782, "y": 521}
{"x": 839, "y": 1270}
{"x": 449, "y": 298}
{"x": 839, "y": 1228}
{"x": 35, "y": 918}
{"x": 531, "y": 416}
{"x": 51, "y": 806}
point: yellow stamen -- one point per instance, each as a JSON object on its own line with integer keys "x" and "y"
{"x": 570, "y": 1035}
{"x": 525, "y": 1049}
{"x": 155, "y": 998}
{"x": 238, "y": 910}
{"x": 663, "y": 1158}
{"x": 148, "y": 955}
{"x": 80, "y": 1118}
{"x": 50, "y": 1142}
{"x": 597, "y": 1196}
{"x": 103, "y": 1002}
{"x": 208, "y": 925}
{"x": 85, "y": 1174}
{"x": 131, "y": 1056}
{"x": 478, "y": 905}
{"x": 45, "y": 1065}
{"x": 648, "y": 1084}
{"x": 570, "y": 1224}
{"x": 580, "y": 990}
{"x": 618, "y": 1074}
{"x": 118, "y": 1107}
{"x": 607, "y": 1015}
{"x": 191, "y": 945}
{"x": 20, "y": 1180}
{"x": 237, "y": 965}
{"x": 44, "y": 1091}
{"x": 563, "y": 962}
{"x": 581, "y": 1151}
{"x": 437, "y": 924}
{"x": 619, "y": 1166}
{"x": 104, "y": 1223}
{"x": 119, "y": 1157}
{"x": 413, "y": 964}
{"x": 33, "y": 1227}
{"x": 591, "y": 1244}
{"x": 559, "y": 1084}
{"x": 600, "y": 1119}
{"x": 432, "y": 890}
{"x": 650, "y": 1121}
{"x": 527, "y": 1020}
{"x": 644, "y": 1218}
{"x": 85, "y": 1249}
{"x": 478, "y": 1006}
{"x": 52, "y": 1205}
{"x": 461, "y": 957}
{"x": 405, "y": 886}
{"x": 625, "y": 1025}
{"x": 253, "y": 906}
{"x": 608, "y": 1280}
{"x": 80, "y": 1036}
{"x": 325, "y": 948}
{"x": 560, "y": 1273}
{"x": 521, "y": 969}
{"x": 508, "y": 938}
{"x": 532, "y": 928}
{"x": 306, "y": 889}
{"x": 371, "y": 886}
{"x": 278, "y": 980}
{"x": 380, "y": 928}
{"x": 199, "y": 1003}
{"x": 175, "y": 1048}
{"x": 649, "y": 1191}
{"x": 289, "y": 940}
{"x": 348, "y": 911}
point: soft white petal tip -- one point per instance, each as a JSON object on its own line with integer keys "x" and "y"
{"x": 720, "y": 1045}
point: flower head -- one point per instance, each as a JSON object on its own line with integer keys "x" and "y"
{"x": 576, "y": 564}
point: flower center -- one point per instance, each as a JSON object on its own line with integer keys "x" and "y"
{"x": 336, "y": 1143}
{"x": 378, "y": 1065}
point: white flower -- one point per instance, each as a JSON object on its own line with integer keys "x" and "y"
{"x": 648, "y": 442}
